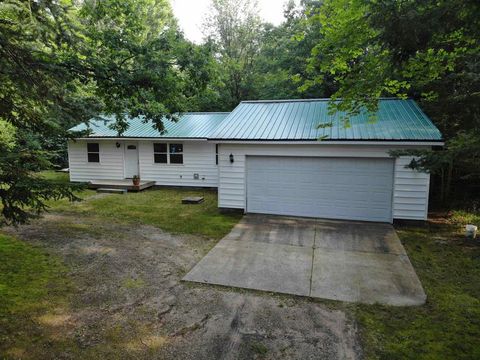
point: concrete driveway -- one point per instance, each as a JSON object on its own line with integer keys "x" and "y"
{"x": 338, "y": 260}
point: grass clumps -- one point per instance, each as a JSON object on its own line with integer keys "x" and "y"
{"x": 259, "y": 348}
{"x": 448, "y": 325}
{"x": 461, "y": 217}
{"x": 28, "y": 276}
{"x": 32, "y": 283}
{"x": 161, "y": 208}
{"x": 55, "y": 176}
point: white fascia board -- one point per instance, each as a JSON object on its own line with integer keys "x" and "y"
{"x": 137, "y": 138}
{"x": 333, "y": 142}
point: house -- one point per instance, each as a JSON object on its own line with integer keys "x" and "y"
{"x": 266, "y": 157}
{"x": 182, "y": 156}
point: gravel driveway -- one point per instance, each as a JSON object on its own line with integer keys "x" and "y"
{"x": 129, "y": 302}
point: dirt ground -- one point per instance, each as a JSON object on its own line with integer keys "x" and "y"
{"x": 129, "y": 301}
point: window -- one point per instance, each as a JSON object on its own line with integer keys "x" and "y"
{"x": 93, "y": 152}
{"x": 160, "y": 153}
{"x": 216, "y": 154}
{"x": 176, "y": 153}
{"x": 168, "y": 153}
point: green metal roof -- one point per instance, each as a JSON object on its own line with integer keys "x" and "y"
{"x": 190, "y": 125}
{"x": 286, "y": 120}
{"x": 276, "y": 120}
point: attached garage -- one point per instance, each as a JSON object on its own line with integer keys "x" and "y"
{"x": 293, "y": 157}
{"x": 329, "y": 187}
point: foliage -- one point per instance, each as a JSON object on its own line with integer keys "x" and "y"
{"x": 66, "y": 62}
{"x": 129, "y": 52}
{"x": 460, "y": 161}
{"x": 7, "y": 134}
{"x": 233, "y": 28}
{"x": 424, "y": 49}
{"x": 447, "y": 326}
{"x": 280, "y": 65}
{"x": 463, "y": 217}
{"x": 23, "y": 193}
{"x": 254, "y": 60}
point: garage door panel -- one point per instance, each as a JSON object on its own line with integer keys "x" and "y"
{"x": 341, "y": 188}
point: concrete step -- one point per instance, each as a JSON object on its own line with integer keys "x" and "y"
{"x": 192, "y": 200}
{"x": 111, "y": 191}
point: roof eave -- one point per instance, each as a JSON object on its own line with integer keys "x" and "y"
{"x": 117, "y": 138}
{"x": 428, "y": 142}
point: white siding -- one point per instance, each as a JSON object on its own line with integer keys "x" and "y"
{"x": 410, "y": 187}
{"x": 110, "y": 166}
{"x": 198, "y": 158}
{"x": 410, "y": 192}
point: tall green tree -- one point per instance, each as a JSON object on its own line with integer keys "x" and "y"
{"x": 281, "y": 64}
{"x": 65, "y": 62}
{"x": 129, "y": 52}
{"x": 234, "y": 28}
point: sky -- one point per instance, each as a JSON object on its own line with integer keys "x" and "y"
{"x": 191, "y": 14}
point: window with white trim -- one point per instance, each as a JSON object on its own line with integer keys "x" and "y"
{"x": 160, "y": 155}
{"x": 93, "y": 152}
{"x": 164, "y": 153}
{"x": 176, "y": 153}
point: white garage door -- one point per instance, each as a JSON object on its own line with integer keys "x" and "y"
{"x": 335, "y": 188}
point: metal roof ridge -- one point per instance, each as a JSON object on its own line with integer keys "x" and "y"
{"x": 311, "y": 100}
{"x": 205, "y": 112}
{"x": 104, "y": 117}
{"x": 283, "y": 100}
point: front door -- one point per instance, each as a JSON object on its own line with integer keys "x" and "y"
{"x": 131, "y": 160}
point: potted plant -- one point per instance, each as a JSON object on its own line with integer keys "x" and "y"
{"x": 136, "y": 180}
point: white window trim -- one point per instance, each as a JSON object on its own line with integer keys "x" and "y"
{"x": 168, "y": 153}
{"x": 92, "y": 152}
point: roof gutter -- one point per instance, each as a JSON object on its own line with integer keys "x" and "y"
{"x": 133, "y": 138}
{"x": 332, "y": 142}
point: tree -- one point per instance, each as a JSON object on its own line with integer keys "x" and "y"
{"x": 234, "y": 28}
{"x": 424, "y": 49}
{"x": 281, "y": 63}
{"x": 65, "y": 62}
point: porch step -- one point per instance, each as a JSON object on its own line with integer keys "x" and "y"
{"x": 111, "y": 191}
{"x": 120, "y": 184}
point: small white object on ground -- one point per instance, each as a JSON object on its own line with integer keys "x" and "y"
{"x": 471, "y": 231}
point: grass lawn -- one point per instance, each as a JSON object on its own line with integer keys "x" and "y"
{"x": 55, "y": 176}
{"x": 35, "y": 286}
{"x": 32, "y": 282}
{"x": 162, "y": 208}
{"x": 448, "y": 325}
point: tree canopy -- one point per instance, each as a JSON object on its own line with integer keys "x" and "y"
{"x": 65, "y": 62}
{"x": 426, "y": 50}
